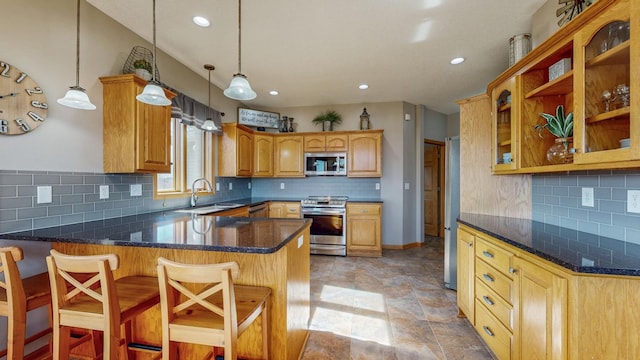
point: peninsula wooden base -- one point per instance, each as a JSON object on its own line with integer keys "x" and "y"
{"x": 286, "y": 272}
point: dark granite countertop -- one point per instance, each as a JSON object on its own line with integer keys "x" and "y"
{"x": 170, "y": 229}
{"x": 575, "y": 250}
{"x": 256, "y": 200}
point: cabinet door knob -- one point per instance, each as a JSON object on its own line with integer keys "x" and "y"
{"x": 470, "y": 244}
{"x": 487, "y": 330}
{"x": 488, "y": 254}
{"x": 512, "y": 270}
{"x": 488, "y": 278}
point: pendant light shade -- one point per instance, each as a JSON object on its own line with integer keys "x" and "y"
{"x": 76, "y": 97}
{"x": 209, "y": 125}
{"x": 153, "y": 94}
{"x": 239, "y": 88}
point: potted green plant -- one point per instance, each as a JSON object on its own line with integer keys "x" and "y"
{"x": 327, "y": 119}
{"x": 561, "y": 127}
{"x": 143, "y": 68}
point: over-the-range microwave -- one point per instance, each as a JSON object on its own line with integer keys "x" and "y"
{"x": 325, "y": 164}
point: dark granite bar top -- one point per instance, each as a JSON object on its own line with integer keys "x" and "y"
{"x": 170, "y": 229}
{"x": 575, "y": 250}
{"x": 256, "y": 200}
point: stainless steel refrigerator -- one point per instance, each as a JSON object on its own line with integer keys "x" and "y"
{"x": 451, "y": 209}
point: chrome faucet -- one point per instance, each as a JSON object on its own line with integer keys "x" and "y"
{"x": 194, "y": 197}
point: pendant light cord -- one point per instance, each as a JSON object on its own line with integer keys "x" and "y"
{"x": 153, "y": 75}
{"x": 78, "y": 44}
{"x": 209, "y": 98}
{"x": 239, "y": 36}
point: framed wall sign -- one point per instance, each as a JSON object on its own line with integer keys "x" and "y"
{"x": 258, "y": 118}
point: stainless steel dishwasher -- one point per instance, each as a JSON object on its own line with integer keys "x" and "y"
{"x": 259, "y": 210}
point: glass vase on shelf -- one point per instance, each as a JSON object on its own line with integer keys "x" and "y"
{"x": 561, "y": 152}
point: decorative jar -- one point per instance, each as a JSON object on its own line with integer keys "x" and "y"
{"x": 561, "y": 152}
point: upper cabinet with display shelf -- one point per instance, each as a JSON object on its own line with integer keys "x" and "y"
{"x": 504, "y": 134}
{"x": 591, "y": 67}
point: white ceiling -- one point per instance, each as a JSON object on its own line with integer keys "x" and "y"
{"x": 318, "y": 52}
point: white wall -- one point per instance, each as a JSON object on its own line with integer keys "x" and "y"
{"x": 42, "y": 43}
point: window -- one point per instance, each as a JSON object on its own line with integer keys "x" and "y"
{"x": 191, "y": 159}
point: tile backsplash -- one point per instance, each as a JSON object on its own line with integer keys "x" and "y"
{"x": 75, "y": 196}
{"x": 557, "y": 200}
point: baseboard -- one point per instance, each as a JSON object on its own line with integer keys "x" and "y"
{"x": 403, "y": 246}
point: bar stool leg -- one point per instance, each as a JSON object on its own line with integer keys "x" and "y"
{"x": 16, "y": 327}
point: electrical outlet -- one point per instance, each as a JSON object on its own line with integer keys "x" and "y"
{"x": 587, "y": 197}
{"x": 136, "y": 190}
{"x": 217, "y": 186}
{"x": 281, "y": 186}
{"x": 633, "y": 201}
{"x": 377, "y": 186}
{"x": 44, "y": 194}
{"x": 104, "y": 192}
{"x": 406, "y": 186}
{"x": 249, "y": 186}
{"x": 230, "y": 186}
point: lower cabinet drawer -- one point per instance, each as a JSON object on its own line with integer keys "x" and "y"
{"x": 501, "y": 309}
{"x": 497, "y": 337}
{"x": 494, "y": 280}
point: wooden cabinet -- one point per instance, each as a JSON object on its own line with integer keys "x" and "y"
{"x": 136, "y": 136}
{"x": 364, "y": 229}
{"x": 326, "y": 143}
{"x": 540, "y": 312}
{"x": 235, "y": 150}
{"x": 242, "y": 211}
{"x": 289, "y": 156}
{"x": 466, "y": 274}
{"x": 521, "y": 301}
{"x": 262, "y": 155}
{"x": 365, "y": 154}
{"x": 604, "y": 64}
{"x": 504, "y": 110}
{"x": 278, "y": 209}
{"x": 595, "y": 55}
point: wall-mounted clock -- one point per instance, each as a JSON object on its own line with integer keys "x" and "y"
{"x": 570, "y": 9}
{"x": 23, "y": 104}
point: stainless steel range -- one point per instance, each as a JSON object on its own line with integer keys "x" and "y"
{"x": 328, "y": 230}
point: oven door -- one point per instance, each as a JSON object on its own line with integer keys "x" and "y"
{"x": 328, "y": 226}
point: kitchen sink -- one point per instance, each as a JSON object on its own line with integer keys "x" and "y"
{"x": 209, "y": 209}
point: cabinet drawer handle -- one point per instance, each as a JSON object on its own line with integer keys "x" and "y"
{"x": 487, "y": 300}
{"x": 488, "y": 254}
{"x": 488, "y": 331}
{"x": 488, "y": 278}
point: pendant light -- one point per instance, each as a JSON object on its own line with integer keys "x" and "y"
{"x": 239, "y": 88}
{"x": 153, "y": 94}
{"x": 76, "y": 97}
{"x": 208, "y": 124}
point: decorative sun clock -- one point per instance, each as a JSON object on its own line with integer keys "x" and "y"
{"x": 570, "y": 9}
{"x": 23, "y": 104}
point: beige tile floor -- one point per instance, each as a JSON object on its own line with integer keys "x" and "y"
{"x": 389, "y": 308}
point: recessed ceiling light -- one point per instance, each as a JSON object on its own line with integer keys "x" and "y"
{"x": 201, "y": 21}
{"x": 363, "y": 86}
{"x": 273, "y": 92}
{"x": 456, "y": 61}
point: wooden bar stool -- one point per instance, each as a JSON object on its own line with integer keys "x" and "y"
{"x": 17, "y": 297}
{"x": 99, "y": 303}
{"x": 216, "y": 314}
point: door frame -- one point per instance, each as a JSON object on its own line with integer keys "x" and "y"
{"x": 441, "y": 181}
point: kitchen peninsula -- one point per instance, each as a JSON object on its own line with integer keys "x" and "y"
{"x": 270, "y": 252}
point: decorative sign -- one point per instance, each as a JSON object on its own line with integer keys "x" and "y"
{"x": 258, "y": 118}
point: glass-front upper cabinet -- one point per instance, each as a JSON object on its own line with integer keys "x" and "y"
{"x": 504, "y": 110}
{"x": 606, "y": 125}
